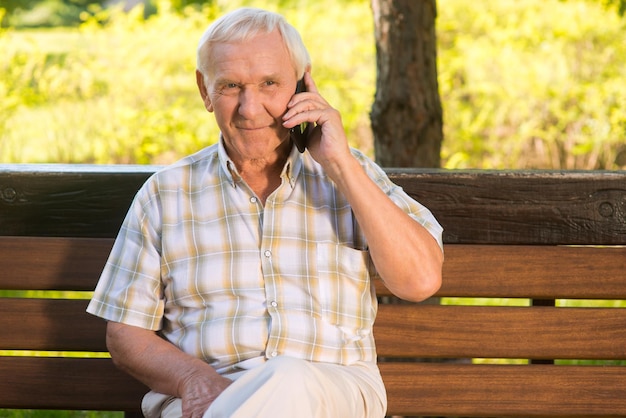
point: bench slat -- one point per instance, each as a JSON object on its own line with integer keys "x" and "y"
{"x": 537, "y": 272}
{"x": 522, "y": 206}
{"x": 414, "y": 388}
{"x": 67, "y": 200}
{"x": 79, "y": 383}
{"x": 541, "y": 272}
{"x": 449, "y": 331}
{"x": 512, "y": 219}
{"x": 50, "y": 325}
{"x": 479, "y": 207}
{"x": 504, "y": 390}
{"x": 41, "y": 263}
{"x": 500, "y": 332}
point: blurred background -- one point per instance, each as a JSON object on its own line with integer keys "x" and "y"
{"x": 523, "y": 84}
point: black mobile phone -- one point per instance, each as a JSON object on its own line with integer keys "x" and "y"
{"x": 299, "y": 133}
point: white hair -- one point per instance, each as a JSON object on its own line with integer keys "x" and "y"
{"x": 242, "y": 25}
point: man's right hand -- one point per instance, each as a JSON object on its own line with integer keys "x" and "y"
{"x": 199, "y": 390}
{"x": 164, "y": 368}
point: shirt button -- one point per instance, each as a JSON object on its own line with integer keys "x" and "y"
{"x": 274, "y": 353}
{"x": 253, "y": 199}
{"x": 274, "y": 303}
{"x": 267, "y": 253}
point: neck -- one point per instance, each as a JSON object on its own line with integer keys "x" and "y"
{"x": 262, "y": 178}
{"x": 262, "y": 175}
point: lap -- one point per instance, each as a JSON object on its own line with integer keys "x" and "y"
{"x": 288, "y": 387}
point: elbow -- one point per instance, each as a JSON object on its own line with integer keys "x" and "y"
{"x": 432, "y": 286}
{"x": 421, "y": 289}
{"x": 417, "y": 287}
{"x": 111, "y": 342}
{"x": 127, "y": 344}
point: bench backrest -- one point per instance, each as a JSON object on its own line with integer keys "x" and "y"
{"x": 536, "y": 237}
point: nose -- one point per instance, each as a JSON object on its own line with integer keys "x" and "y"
{"x": 250, "y": 103}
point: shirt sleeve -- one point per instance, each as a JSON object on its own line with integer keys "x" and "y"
{"x": 405, "y": 202}
{"x": 130, "y": 288}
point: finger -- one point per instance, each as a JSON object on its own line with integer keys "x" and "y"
{"x": 309, "y": 83}
{"x": 296, "y": 111}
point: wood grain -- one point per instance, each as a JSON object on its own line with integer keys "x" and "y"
{"x": 425, "y": 330}
{"x": 543, "y": 272}
{"x": 472, "y": 390}
{"x": 477, "y": 207}
{"x": 428, "y": 331}
{"x": 61, "y": 383}
{"x": 50, "y": 325}
{"x": 508, "y": 234}
{"x": 45, "y": 263}
{"x": 523, "y": 207}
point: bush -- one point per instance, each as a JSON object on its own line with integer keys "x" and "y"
{"x": 533, "y": 84}
{"x": 121, "y": 88}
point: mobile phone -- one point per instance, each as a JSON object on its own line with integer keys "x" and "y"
{"x": 299, "y": 133}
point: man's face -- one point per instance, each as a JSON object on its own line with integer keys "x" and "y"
{"x": 248, "y": 90}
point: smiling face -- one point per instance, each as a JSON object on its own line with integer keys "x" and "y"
{"x": 248, "y": 88}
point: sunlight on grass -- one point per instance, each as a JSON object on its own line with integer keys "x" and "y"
{"x": 590, "y": 303}
{"x": 485, "y": 301}
{"x": 68, "y": 354}
{"x": 499, "y": 361}
{"x": 46, "y": 294}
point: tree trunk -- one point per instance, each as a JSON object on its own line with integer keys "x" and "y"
{"x": 406, "y": 115}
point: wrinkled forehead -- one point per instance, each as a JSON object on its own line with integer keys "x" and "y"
{"x": 263, "y": 48}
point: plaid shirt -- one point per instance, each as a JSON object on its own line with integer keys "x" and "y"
{"x": 226, "y": 279}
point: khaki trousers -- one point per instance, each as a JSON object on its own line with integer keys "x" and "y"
{"x": 290, "y": 388}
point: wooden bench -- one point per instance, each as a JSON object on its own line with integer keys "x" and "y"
{"x": 535, "y": 237}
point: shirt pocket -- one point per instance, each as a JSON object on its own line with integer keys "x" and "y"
{"x": 346, "y": 297}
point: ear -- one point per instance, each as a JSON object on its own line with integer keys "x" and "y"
{"x": 204, "y": 93}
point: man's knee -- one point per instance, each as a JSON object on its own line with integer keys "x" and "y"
{"x": 274, "y": 389}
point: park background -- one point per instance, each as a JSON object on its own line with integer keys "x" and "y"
{"x": 533, "y": 84}
{"x": 524, "y": 84}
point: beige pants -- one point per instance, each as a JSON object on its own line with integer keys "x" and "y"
{"x": 290, "y": 388}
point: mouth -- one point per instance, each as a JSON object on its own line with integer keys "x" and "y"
{"x": 252, "y": 128}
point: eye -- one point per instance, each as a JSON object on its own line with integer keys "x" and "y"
{"x": 228, "y": 88}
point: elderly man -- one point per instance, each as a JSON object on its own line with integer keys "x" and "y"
{"x": 240, "y": 284}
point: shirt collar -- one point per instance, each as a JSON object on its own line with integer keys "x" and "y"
{"x": 293, "y": 167}
{"x": 228, "y": 167}
{"x": 290, "y": 171}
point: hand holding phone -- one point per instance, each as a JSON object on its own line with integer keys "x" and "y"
{"x": 299, "y": 133}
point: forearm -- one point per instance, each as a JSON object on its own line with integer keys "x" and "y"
{"x": 153, "y": 361}
{"x": 406, "y": 255}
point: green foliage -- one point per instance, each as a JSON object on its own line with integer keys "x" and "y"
{"x": 121, "y": 88}
{"x": 44, "y": 13}
{"x": 619, "y": 5}
{"x": 10, "y": 6}
{"x": 533, "y": 84}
